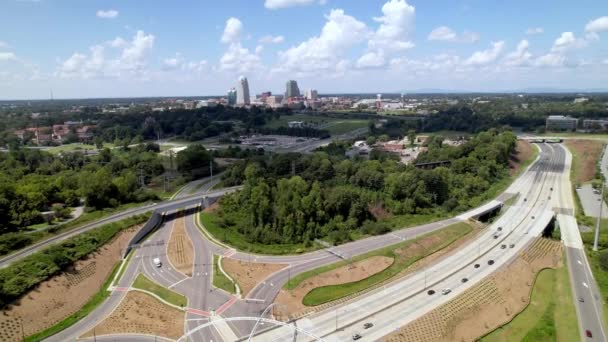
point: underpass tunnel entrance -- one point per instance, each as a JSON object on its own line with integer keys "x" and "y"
{"x": 490, "y": 215}
{"x": 551, "y": 231}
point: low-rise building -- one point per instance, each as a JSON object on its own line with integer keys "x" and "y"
{"x": 595, "y": 125}
{"x": 561, "y": 123}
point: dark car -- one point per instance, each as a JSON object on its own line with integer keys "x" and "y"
{"x": 588, "y": 333}
{"x": 503, "y": 246}
{"x": 490, "y": 262}
{"x": 477, "y": 265}
{"x": 356, "y": 337}
{"x": 464, "y": 280}
{"x": 368, "y": 325}
{"x": 512, "y": 245}
{"x": 431, "y": 292}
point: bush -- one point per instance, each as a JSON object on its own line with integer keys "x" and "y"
{"x": 604, "y": 260}
{"x": 16, "y": 240}
{"x": 22, "y": 275}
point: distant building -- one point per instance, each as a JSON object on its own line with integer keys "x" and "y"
{"x": 295, "y": 124}
{"x": 595, "y": 125}
{"x": 273, "y": 101}
{"x": 561, "y": 123}
{"x": 242, "y": 92}
{"x": 232, "y": 97}
{"x": 291, "y": 89}
{"x": 311, "y": 95}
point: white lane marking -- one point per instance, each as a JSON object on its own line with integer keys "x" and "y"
{"x": 585, "y": 285}
{"x": 170, "y": 286}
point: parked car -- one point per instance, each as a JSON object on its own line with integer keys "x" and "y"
{"x": 157, "y": 262}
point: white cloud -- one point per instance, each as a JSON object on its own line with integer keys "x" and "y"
{"x": 239, "y": 59}
{"x": 118, "y": 42}
{"x": 371, "y": 60}
{"x": 486, "y": 56}
{"x": 442, "y": 33}
{"x": 396, "y": 24}
{"x": 173, "y": 62}
{"x": 340, "y": 33}
{"x": 272, "y": 40}
{"x": 278, "y": 4}
{"x": 232, "y": 31}
{"x": 535, "y": 30}
{"x": 131, "y": 60}
{"x": 3, "y": 45}
{"x": 196, "y": 66}
{"x": 446, "y": 34}
{"x": 521, "y": 56}
{"x": 567, "y": 41}
{"x": 109, "y": 14}
{"x": 597, "y": 25}
{"x": 259, "y": 49}
{"x": 7, "y": 56}
{"x": 550, "y": 60}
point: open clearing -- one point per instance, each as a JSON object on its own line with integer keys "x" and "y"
{"x": 62, "y": 295}
{"x": 249, "y": 274}
{"x": 586, "y": 155}
{"x": 408, "y": 256}
{"x": 180, "y": 250}
{"x": 140, "y": 313}
{"x": 523, "y": 156}
{"x": 491, "y": 303}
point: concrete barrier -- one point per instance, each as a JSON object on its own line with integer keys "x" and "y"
{"x": 155, "y": 220}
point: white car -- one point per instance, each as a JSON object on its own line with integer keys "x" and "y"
{"x": 157, "y": 262}
{"x": 446, "y": 291}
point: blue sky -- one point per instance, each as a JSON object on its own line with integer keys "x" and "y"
{"x": 169, "y": 48}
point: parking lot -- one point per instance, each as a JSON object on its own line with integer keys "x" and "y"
{"x": 590, "y": 201}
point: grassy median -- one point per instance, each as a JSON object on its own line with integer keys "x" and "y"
{"x": 142, "y": 282}
{"x": 550, "y": 316}
{"x": 437, "y": 241}
{"x": 219, "y": 279}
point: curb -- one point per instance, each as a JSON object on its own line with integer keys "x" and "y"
{"x": 236, "y": 285}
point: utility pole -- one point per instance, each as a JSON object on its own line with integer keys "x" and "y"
{"x": 599, "y": 219}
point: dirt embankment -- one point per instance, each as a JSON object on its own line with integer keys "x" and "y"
{"x": 249, "y": 274}
{"x": 489, "y": 304}
{"x": 291, "y": 301}
{"x": 62, "y": 295}
{"x": 588, "y": 153}
{"x": 140, "y": 313}
{"x": 524, "y": 151}
{"x": 180, "y": 250}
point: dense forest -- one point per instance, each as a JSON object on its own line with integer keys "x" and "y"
{"x": 297, "y": 198}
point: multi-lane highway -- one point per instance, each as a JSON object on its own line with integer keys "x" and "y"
{"x": 544, "y": 190}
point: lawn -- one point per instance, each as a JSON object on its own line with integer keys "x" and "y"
{"x": 78, "y": 315}
{"x": 76, "y": 147}
{"x": 585, "y": 156}
{"x": 314, "y": 120}
{"x": 142, "y": 282}
{"x": 219, "y": 279}
{"x": 550, "y": 316}
{"x": 321, "y": 295}
{"x": 341, "y": 127}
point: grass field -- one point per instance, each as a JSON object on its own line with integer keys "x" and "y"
{"x": 76, "y": 147}
{"x": 78, "y": 315}
{"x": 320, "y": 295}
{"x": 142, "y": 282}
{"x": 332, "y": 124}
{"x": 550, "y": 316}
{"x": 585, "y": 156}
{"x": 219, "y": 279}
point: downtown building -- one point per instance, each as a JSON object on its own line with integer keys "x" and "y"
{"x": 242, "y": 92}
{"x": 291, "y": 89}
{"x": 231, "y": 97}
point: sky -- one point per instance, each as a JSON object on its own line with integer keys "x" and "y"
{"x": 129, "y": 48}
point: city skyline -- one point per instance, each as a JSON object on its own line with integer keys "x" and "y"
{"x": 125, "y": 50}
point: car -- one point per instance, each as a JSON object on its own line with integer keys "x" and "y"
{"x": 578, "y": 187}
{"x": 496, "y": 236}
{"x": 464, "y": 280}
{"x": 356, "y": 337}
{"x": 431, "y": 292}
{"x": 581, "y": 299}
{"x": 499, "y": 229}
{"x": 477, "y": 265}
{"x": 551, "y": 189}
{"x": 533, "y": 217}
{"x": 446, "y": 291}
{"x": 157, "y": 262}
{"x": 525, "y": 199}
{"x": 599, "y": 199}
{"x": 503, "y": 246}
{"x": 490, "y": 262}
{"x": 368, "y": 325}
{"x": 512, "y": 245}
{"x": 588, "y": 333}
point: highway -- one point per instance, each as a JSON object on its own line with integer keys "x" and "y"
{"x": 389, "y": 307}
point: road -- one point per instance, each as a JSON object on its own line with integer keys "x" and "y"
{"x": 170, "y": 205}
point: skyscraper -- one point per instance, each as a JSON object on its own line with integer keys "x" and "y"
{"x": 232, "y": 96}
{"x": 291, "y": 89}
{"x": 242, "y": 92}
{"x": 311, "y": 95}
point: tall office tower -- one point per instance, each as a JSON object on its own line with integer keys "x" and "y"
{"x": 311, "y": 95}
{"x": 242, "y": 92}
{"x": 232, "y": 96}
{"x": 291, "y": 89}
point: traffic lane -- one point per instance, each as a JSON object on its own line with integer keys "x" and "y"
{"x": 208, "y": 334}
{"x": 127, "y": 338}
{"x": 591, "y": 315}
